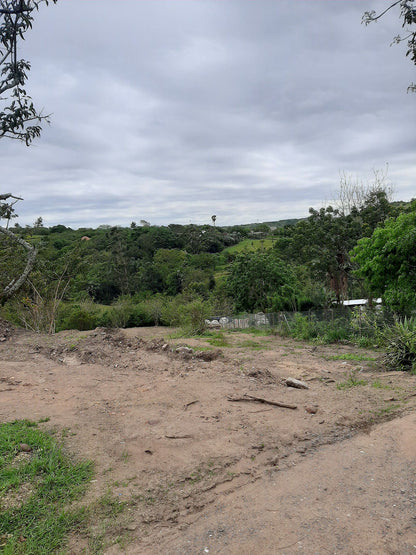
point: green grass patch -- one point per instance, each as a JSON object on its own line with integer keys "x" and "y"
{"x": 350, "y": 356}
{"x": 351, "y": 381}
{"x": 377, "y": 384}
{"x": 219, "y": 342}
{"x": 215, "y": 338}
{"x": 250, "y": 245}
{"x": 253, "y": 345}
{"x": 261, "y": 332}
{"x": 387, "y": 410}
{"x": 38, "y": 482}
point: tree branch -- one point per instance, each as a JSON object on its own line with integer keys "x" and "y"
{"x": 368, "y": 17}
{"x": 15, "y": 284}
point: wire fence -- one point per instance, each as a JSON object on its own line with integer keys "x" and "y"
{"x": 359, "y": 320}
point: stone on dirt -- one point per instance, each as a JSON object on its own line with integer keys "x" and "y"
{"x": 293, "y": 382}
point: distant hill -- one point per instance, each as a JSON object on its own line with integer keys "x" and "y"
{"x": 273, "y": 225}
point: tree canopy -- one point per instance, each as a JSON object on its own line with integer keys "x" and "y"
{"x": 260, "y": 281}
{"x": 387, "y": 262}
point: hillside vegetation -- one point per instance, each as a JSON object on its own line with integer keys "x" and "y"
{"x": 181, "y": 274}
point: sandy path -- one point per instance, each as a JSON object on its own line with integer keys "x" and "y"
{"x": 357, "y": 497}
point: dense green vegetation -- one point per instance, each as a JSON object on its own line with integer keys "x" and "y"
{"x": 180, "y": 275}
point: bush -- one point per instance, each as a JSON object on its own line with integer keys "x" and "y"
{"x": 194, "y": 319}
{"x": 77, "y": 318}
{"x": 401, "y": 346}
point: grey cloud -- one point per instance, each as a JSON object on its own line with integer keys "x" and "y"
{"x": 162, "y": 110}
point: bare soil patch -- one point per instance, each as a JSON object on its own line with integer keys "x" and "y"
{"x": 200, "y": 473}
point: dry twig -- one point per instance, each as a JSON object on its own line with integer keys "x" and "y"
{"x": 247, "y": 397}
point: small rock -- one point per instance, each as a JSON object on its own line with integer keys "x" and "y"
{"x": 292, "y": 382}
{"x": 184, "y": 350}
{"x": 311, "y": 410}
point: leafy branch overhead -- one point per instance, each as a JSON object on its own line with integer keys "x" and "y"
{"x": 408, "y": 16}
{"x": 19, "y": 119}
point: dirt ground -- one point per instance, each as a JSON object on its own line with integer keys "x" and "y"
{"x": 203, "y": 467}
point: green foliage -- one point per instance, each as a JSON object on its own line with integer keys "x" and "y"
{"x": 330, "y": 327}
{"x": 322, "y": 242}
{"x": 260, "y": 281}
{"x": 78, "y": 318}
{"x": 36, "y": 491}
{"x": 387, "y": 262}
{"x": 351, "y": 356}
{"x": 248, "y": 245}
{"x": 217, "y": 339}
{"x": 352, "y": 380}
{"x": 400, "y": 340}
{"x": 190, "y": 315}
{"x": 311, "y": 328}
{"x": 176, "y": 275}
{"x": 408, "y": 17}
{"x": 18, "y": 117}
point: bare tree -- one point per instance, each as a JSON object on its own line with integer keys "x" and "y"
{"x": 408, "y": 16}
{"x": 354, "y": 192}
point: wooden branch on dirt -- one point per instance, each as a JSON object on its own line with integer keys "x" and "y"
{"x": 185, "y": 407}
{"x": 178, "y": 437}
{"x": 247, "y": 397}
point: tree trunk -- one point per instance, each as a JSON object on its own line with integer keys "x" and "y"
{"x": 17, "y": 283}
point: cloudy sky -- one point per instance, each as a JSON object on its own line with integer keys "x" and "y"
{"x": 173, "y": 110}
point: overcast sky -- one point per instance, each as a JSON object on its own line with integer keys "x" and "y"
{"x": 173, "y": 110}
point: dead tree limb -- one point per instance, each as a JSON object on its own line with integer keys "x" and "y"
{"x": 247, "y": 397}
{"x": 16, "y": 283}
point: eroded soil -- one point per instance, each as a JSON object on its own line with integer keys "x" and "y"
{"x": 205, "y": 469}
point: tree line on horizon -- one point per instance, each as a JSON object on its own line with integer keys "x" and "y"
{"x": 357, "y": 249}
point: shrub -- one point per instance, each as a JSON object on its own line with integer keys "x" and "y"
{"x": 401, "y": 346}
{"x": 78, "y": 318}
{"x": 303, "y": 328}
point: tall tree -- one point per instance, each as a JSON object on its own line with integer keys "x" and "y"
{"x": 323, "y": 241}
{"x": 260, "y": 281}
{"x": 387, "y": 262}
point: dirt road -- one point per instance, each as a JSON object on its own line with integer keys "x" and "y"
{"x": 202, "y": 472}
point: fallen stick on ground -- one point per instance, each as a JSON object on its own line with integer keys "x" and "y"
{"x": 178, "y": 437}
{"x": 185, "y": 407}
{"x": 260, "y": 400}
